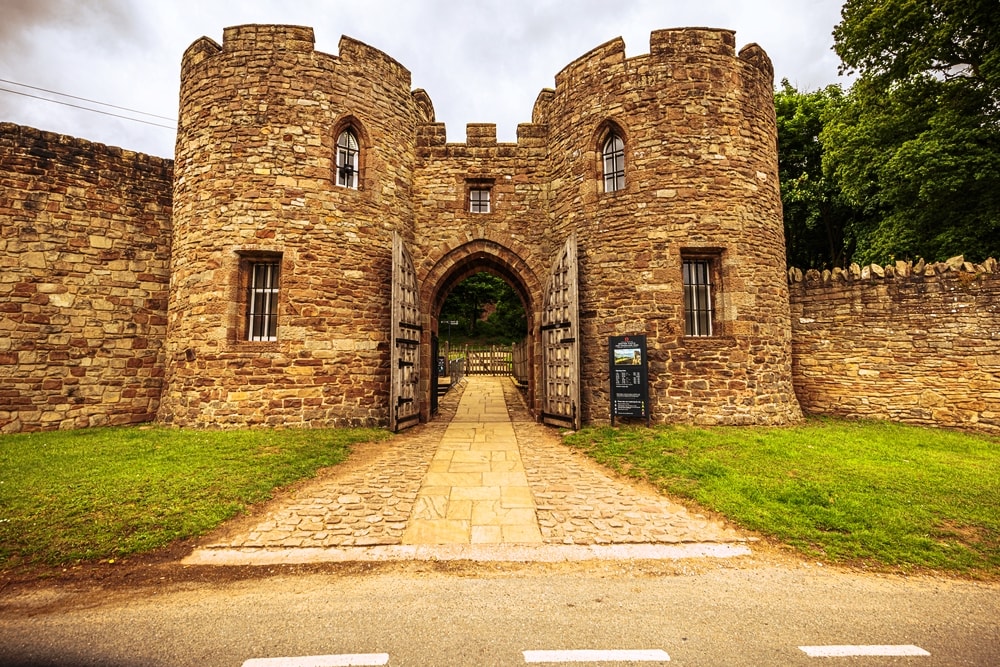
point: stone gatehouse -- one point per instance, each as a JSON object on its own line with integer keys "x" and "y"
{"x": 288, "y": 266}
{"x": 295, "y": 170}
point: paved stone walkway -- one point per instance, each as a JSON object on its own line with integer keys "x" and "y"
{"x": 476, "y": 490}
{"x": 481, "y": 481}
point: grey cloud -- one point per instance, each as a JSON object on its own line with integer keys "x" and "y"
{"x": 113, "y": 20}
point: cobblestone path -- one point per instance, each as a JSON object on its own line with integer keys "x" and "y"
{"x": 469, "y": 477}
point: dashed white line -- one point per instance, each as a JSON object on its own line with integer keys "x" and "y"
{"x": 863, "y": 650}
{"x": 585, "y": 655}
{"x": 644, "y": 655}
{"x": 341, "y": 660}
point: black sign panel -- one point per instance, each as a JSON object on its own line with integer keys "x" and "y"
{"x": 629, "y": 377}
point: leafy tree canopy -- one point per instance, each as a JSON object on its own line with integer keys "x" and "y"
{"x": 892, "y": 41}
{"x": 467, "y": 303}
{"x": 819, "y": 222}
{"x": 916, "y": 144}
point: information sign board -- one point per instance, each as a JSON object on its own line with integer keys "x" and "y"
{"x": 629, "y": 377}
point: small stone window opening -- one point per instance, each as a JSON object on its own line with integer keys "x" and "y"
{"x": 347, "y": 159}
{"x": 698, "y": 297}
{"x": 262, "y": 300}
{"x": 479, "y": 200}
{"x": 614, "y": 163}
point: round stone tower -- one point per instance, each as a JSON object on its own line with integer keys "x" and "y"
{"x": 292, "y": 172}
{"x": 687, "y": 245}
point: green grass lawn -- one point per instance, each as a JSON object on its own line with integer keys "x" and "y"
{"x": 886, "y": 495}
{"x": 850, "y": 492}
{"x": 104, "y": 493}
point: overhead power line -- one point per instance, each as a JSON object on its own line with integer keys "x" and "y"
{"x": 85, "y": 99}
{"x": 85, "y": 108}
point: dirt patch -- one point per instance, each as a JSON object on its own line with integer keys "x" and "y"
{"x": 88, "y": 585}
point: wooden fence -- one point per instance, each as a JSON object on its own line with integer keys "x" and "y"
{"x": 456, "y": 369}
{"x": 493, "y": 360}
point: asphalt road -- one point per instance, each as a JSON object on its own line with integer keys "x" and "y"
{"x": 696, "y": 612}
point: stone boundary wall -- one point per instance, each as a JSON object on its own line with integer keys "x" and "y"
{"x": 84, "y": 251}
{"x": 918, "y": 344}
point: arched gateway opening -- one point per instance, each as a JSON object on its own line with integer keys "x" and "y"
{"x": 461, "y": 263}
{"x": 551, "y": 310}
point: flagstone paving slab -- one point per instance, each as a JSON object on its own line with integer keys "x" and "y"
{"x": 482, "y": 473}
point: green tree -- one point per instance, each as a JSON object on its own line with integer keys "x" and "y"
{"x": 916, "y": 145}
{"x": 467, "y": 302}
{"x": 819, "y": 222}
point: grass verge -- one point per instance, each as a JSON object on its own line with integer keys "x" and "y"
{"x": 845, "y": 491}
{"x": 105, "y": 493}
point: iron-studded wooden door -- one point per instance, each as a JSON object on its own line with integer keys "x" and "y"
{"x": 404, "y": 403}
{"x": 561, "y": 341}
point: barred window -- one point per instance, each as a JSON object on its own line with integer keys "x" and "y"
{"x": 614, "y": 163}
{"x": 347, "y": 159}
{"x": 698, "y": 308}
{"x": 479, "y": 200}
{"x": 262, "y": 300}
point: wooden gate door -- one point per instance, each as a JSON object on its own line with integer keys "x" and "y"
{"x": 404, "y": 403}
{"x": 561, "y": 341}
{"x": 436, "y": 371}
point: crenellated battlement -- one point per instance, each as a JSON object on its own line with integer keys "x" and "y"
{"x": 690, "y": 62}
{"x": 479, "y": 136}
{"x": 255, "y": 37}
{"x": 756, "y": 56}
{"x": 293, "y": 39}
{"x": 200, "y": 49}
{"x": 675, "y": 42}
{"x": 359, "y": 54}
{"x": 609, "y": 54}
{"x": 671, "y": 48}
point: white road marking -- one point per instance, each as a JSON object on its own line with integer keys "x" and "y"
{"x": 849, "y": 651}
{"x": 645, "y": 655}
{"x": 342, "y": 660}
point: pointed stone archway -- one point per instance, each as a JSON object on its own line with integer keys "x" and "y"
{"x": 481, "y": 255}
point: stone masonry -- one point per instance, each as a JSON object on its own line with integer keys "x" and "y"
{"x": 85, "y": 251}
{"x": 912, "y": 343}
{"x": 255, "y": 177}
{"x": 124, "y": 292}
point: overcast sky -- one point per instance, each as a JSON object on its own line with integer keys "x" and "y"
{"x": 481, "y": 61}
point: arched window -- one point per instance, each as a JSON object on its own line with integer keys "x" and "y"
{"x": 347, "y": 159}
{"x": 614, "y": 163}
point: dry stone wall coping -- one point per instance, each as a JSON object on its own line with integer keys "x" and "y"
{"x": 898, "y": 270}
